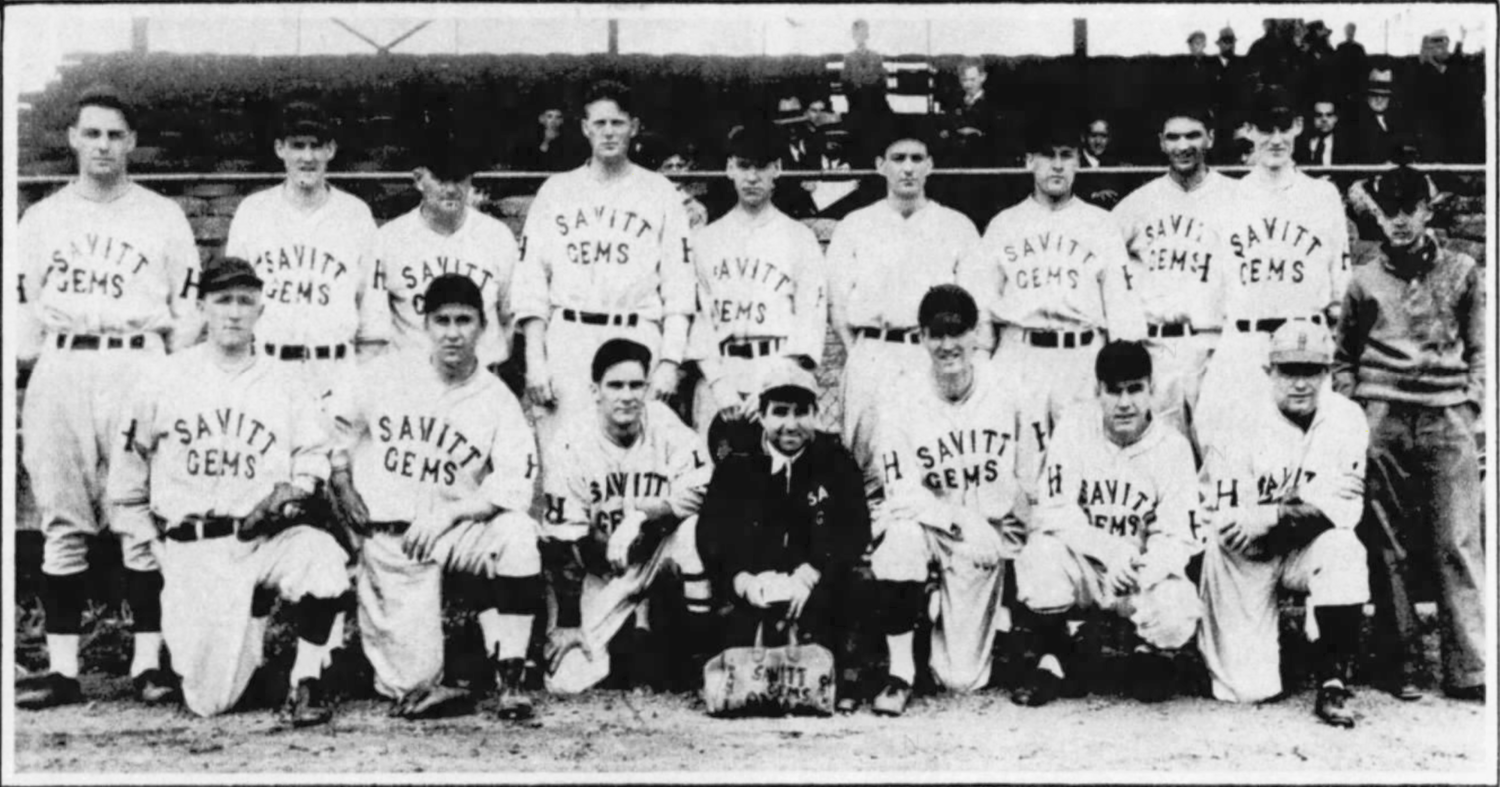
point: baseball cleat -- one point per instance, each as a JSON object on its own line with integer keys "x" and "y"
{"x": 515, "y": 701}
{"x": 47, "y": 691}
{"x": 306, "y": 706}
{"x": 891, "y": 701}
{"x": 1405, "y": 690}
{"x": 1466, "y": 693}
{"x": 1330, "y": 706}
{"x": 433, "y": 702}
{"x": 1041, "y": 687}
{"x": 846, "y": 705}
{"x": 154, "y": 687}
{"x": 1150, "y": 677}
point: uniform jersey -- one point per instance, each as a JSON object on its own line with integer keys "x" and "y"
{"x": 409, "y": 255}
{"x": 880, "y": 263}
{"x": 760, "y": 277}
{"x": 1177, "y": 240}
{"x": 591, "y": 480}
{"x": 415, "y": 441}
{"x": 1056, "y": 270}
{"x": 1143, "y": 493}
{"x": 317, "y": 267}
{"x": 980, "y": 453}
{"x": 617, "y": 247}
{"x": 1266, "y": 459}
{"x": 202, "y": 440}
{"x": 119, "y": 267}
{"x": 1289, "y": 251}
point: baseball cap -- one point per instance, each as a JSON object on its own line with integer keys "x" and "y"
{"x": 1273, "y": 108}
{"x": 449, "y": 158}
{"x": 947, "y": 310}
{"x": 304, "y": 119}
{"x": 452, "y": 288}
{"x": 1120, "y": 361}
{"x": 1227, "y": 34}
{"x": 1400, "y": 190}
{"x": 225, "y": 272}
{"x": 1301, "y": 342}
{"x": 1050, "y": 131}
{"x": 790, "y": 376}
{"x": 753, "y": 143}
{"x": 1379, "y": 82}
{"x": 901, "y": 128}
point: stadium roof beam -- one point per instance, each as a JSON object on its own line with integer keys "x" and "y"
{"x": 385, "y": 49}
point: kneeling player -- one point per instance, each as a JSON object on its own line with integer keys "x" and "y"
{"x": 783, "y": 526}
{"x": 957, "y": 449}
{"x": 1285, "y": 490}
{"x": 1113, "y": 530}
{"x": 436, "y": 464}
{"x": 623, "y": 488}
{"x": 220, "y": 446}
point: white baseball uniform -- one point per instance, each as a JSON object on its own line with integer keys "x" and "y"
{"x": 879, "y": 265}
{"x": 1176, "y": 240}
{"x": 409, "y": 254}
{"x": 319, "y": 269}
{"x": 761, "y": 294}
{"x": 1056, "y": 281}
{"x": 207, "y": 442}
{"x": 1101, "y": 501}
{"x": 414, "y": 442}
{"x": 601, "y": 260}
{"x": 1289, "y": 260}
{"x": 591, "y": 484}
{"x": 1250, "y": 469}
{"x": 968, "y": 466}
{"x": 105, "y": 288}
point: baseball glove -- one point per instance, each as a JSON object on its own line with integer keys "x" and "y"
{"x": 277, "y": 511}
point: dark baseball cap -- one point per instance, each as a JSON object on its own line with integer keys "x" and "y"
{"x": 1400, "y": 190}
{"x": 1273, "y": 107}
{"x": 448, "y": 157}
{"x": 947, "y": 310}
{"x": 304, "y": 119}
{"x": 225, "y": 272}
{"x": 451, "y": 288}
{"x": 1121, "y": 361}
{"x": 901, "y": 128}
{"x": 755, "y": 143}
{"x": 1048, "y": 131}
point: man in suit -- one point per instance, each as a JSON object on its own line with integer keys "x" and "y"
{"x": 1329, "y": 144}
{"x": 1375, "y": 124}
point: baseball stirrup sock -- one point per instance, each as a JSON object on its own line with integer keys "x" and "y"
{"x": 63, "y": 598}
{"x": 903, "y": 604}
{"x": 517, "y": 595}
{"x": 1339, "y": 640}
{"x": 314, "y": 619}
{"x": 697, "y": 594}
{"x": 143, "y": 594}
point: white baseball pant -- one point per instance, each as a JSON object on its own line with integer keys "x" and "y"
{"x": 1064, "y": 375}
{"x": 870, "y": 370}
{"x": 570, "y": 358}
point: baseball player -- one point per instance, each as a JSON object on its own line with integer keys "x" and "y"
{"x": 1174, "y": 229}
{"x": 882, "y": 258}
{"x": 444, "y": 235}
{"x": 1283, "y": 492}
{"x": 1288, "y": 260}
{"x": 604, "y": 254}
{"x": 311, "y": 242}
{"x": 1053, "y": 271}
{"x": 958, "y": 450}
{"x": 220, "y": 444}
{"x": 1112, "y": 530}
{"x": 107, "y": 270}
{"x": 623, "y": 485}
{"x": 760, "y": 287}
{"x": 436, "y": 464}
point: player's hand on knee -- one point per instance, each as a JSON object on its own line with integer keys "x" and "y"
{"x": 421, "y": 538}
{"x": 620, "y": 541}
{"x": 664, "y": 380}
{"x": 562, "y": 641}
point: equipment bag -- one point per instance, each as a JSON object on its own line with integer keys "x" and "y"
{"x": 759, "y": 681}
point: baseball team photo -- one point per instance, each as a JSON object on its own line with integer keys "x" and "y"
{"x": 857, "y": 393}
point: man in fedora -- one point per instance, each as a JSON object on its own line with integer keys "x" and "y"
{"x": 1375, "y": 123}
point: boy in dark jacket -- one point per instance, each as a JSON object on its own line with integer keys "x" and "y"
{"x": 783, "y": 527}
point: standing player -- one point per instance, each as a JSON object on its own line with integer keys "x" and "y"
{"x": 604, "y": 254}
{"x": 221, "y": 444}
{"x": 441, "y": 236}
{"x": 1052, "y": 270}
{"x": 623, "y": 487}
{"x": 1174, "y": 231}
{"x": 1113, "y": 529}
{"x": 436, "y": 462}
{"x": 958, "y": 450}
{"x": 1284, "y": 490}
{"x": 311, "y": 242}
{"x": 760, "y": 283}
{"x": 106, "y": 274}
{"x": 1289, "y": 260}
{"x": 880, "y": 261}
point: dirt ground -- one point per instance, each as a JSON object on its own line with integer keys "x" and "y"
{"x": 639, "y": 732}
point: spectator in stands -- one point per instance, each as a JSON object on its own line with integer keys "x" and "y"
{"x": 648, "y": 148}
{"x": 800, "y": 150}
{"x": 1328, "y": 144}
{"x": 552, "y": 148}
{"x": 834, "y": 199}
{"x": 971, "y": 129}
{"x": 683, "y": 158}
{"x": 1447, "y": 101}
{"x": 864, "y": 82}
{"x": 1351, "y": 65}
{"x": 1375, "y": 124}
{"x": 1194, "y": 78}
{"x": 1095, "y": 152}
{"x": 1318, "y": 74}
{"x": 1227, "y": 90}
{"x": 1197, "y": 44}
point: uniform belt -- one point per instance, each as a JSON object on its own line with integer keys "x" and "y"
{"x": 1270, "y": 325}
{"x": 1169, "y": 330}
{"x": 1064, "y": 339}
{"x": 301, "y": 352}
{"x": 897, "y": 335}
{"x": 86, "y": 341}
{"x": 749, "y": 348}
{"x": 395, "y": 527}
{"x": 195, "y": 527}
{"x": 597, "y": 318}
